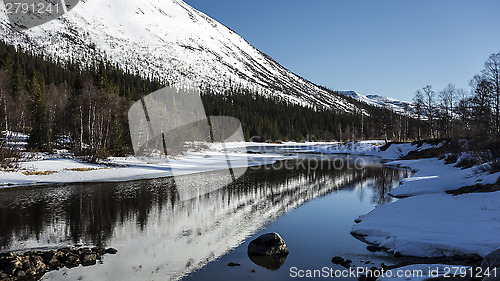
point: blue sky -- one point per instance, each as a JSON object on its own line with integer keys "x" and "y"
{"x": 386, "y": 47}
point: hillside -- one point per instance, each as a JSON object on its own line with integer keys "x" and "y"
{"x": 169, "y": 41}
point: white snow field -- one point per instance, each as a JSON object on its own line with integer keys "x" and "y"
{"x": 62, "y": 168}
{"x": 435, "y": 225}
{"x": 434, "y": 176}
{"x": 368, "y": 148}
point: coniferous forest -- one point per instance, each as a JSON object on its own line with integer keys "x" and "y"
{"x": 85, "y": 110}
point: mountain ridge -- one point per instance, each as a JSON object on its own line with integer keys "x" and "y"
{"x": 169, "y": 41}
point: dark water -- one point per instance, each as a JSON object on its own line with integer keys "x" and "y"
{"x": 160, "y": 236}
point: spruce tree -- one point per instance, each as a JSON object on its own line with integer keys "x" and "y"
{"x": 39, "y": 132}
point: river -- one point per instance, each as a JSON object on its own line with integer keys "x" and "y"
{"x": 163, "y": 233}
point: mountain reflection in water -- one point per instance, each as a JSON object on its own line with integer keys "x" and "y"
{"x": 158, "y": 235}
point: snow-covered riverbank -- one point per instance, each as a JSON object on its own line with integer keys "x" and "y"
{"x": 435, "y": 176}
{"x": 43, "y": 168}
{"x": 430, "y": 222}
{"x": 436, "y": 225}
{"x": 63, "y": 167}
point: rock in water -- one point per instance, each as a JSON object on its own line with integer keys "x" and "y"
{"x": 111, "y": 251}
{"x": 337, "y": 260}
{"x": 269, "y": 244}
{"x": 373, "y": 248}
{"x": 346, "y": 263}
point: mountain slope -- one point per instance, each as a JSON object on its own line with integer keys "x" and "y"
{"x": 168, "y": 40}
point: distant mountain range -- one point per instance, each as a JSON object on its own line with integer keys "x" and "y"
{"x": 398, "y": 106}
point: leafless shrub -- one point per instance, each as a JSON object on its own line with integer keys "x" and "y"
{"x": 9, "y": 156}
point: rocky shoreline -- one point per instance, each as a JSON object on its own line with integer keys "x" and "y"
{"x": 32, "y": 265}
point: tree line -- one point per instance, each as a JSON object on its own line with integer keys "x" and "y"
{"x": 270, "y": 118}
{"x": 459, "y": 113}
{"x": 65, "y": 106}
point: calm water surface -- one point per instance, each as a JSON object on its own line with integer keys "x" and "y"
{"x": 163, "y": 233}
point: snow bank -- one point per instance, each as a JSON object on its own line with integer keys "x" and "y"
{"x": 435, "y": 225}
{"x": 372, "y": 148}
{"x": 431, "y": 223}
{"x": 46, "y": 169}
{"x": 434, "y": 176}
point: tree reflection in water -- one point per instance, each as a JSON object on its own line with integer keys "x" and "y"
{"x": 192, "y": 226}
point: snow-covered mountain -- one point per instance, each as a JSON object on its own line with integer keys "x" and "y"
{"x": 169, "y": 40}
{"x": 398, "y": 106}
